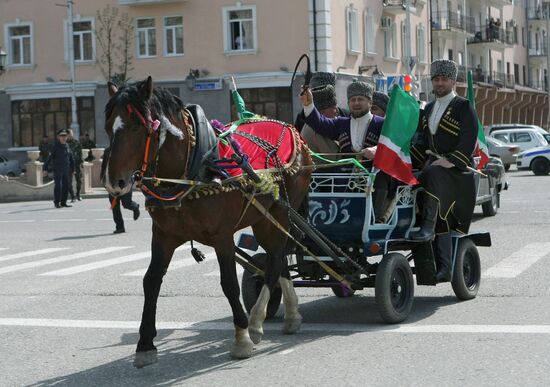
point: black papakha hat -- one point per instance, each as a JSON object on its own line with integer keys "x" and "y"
{"x": 324, "y": 97}
{"x": 62, "y": 132}
{"x": 322, "y": 78}
{"x": 359, "y": 88}
{"x": 444, "y": 68}
{"x": 380, "y": 99}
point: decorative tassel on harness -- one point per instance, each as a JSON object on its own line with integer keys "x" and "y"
{"x": 197, "y": 254}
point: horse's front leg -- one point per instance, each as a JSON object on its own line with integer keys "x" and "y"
{"x": 162, "y": 249}
{"x": 225, "y": 251}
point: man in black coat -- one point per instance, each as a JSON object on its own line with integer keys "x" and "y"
{"x": 443, "y": 149}
{"x": 62, "y": 162}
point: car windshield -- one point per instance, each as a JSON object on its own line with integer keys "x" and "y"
{"x": 547, "y": 137}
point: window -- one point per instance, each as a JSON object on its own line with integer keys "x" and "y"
{"x": 83, "y": 41}
{"x": 240, "y": 28}
{"x": 421, "y": 43}
{"x": 351, "y": 30}
{"x": 272, "y": 102}
{"x": 403, "y": 39}
{"x": 369, "y": 33}
{"x": 20, "y": 45}
{"x": 32, "y": 119}
{"x": 390, "y": 41}
{"x": 522, "y": 137}
{"x": 146, "y": 38}
{"x": 173, "y": 35}
{"x": 502, "y": 137}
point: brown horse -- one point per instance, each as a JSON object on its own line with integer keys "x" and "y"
{"x": 137, "y": 143}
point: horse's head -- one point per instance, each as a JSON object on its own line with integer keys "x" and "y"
{"x": 128, "y": 122}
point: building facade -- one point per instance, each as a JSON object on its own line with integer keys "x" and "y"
{"x": 194, "y": 48}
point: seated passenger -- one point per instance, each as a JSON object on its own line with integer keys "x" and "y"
{"x": 324, "y": 98}
{"x": 380, "y": 102}
{"x": 356, "y": 134}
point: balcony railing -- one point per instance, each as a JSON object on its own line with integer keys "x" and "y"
{"x": 538, "y": 84}
{"x": 540, "y": 51}
{"x": 397, "y": 3}
{"x": 494, "y": 78}
{"x": 453, "y": 21}
{"x": 491, "y": 33}
{"x": 536, "y": 13}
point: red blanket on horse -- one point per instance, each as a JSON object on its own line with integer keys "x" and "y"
{"x": 267, "y": 144}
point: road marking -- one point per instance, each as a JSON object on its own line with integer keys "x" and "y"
{"x": 64, "y": 220}
{"x": 31, "y": 253}
{"x": 18, "y": 221}
{"x": 4, "y": 248}
{"x": 519, "y": 261}
{"x": 44, "y": 262}
{"x": 275, "y": 326}
{"x": 216, "y": 273}
{"x": 174, "y": 265}
{"x": 98, "y": 264}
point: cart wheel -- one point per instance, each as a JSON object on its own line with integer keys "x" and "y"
{"x": 394, "y": 288}
{"x": 342, "y": 291}
{"x": 252, "y": 286}
{"x": 467, "y": 270}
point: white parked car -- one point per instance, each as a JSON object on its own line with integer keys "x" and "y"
{"x": 9, "y": 167}
{"x": 525, "y": 138}
{"x": 535, "y": 159}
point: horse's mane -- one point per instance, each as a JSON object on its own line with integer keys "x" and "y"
{"x": 161, "y": 103}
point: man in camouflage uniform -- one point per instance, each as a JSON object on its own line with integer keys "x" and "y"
{"x": 76, "y": 150}
{"x": 88, "y": 143}
{"x": 45, "y": 148}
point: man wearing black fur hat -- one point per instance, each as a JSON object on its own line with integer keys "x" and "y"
{"x": 379, "y": 103}
{"x": 447, "y": 128}
{"x": 356, "y": 134}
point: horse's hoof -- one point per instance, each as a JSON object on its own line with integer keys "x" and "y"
{"x": 256, "y": 334}
{"x": 292, "y": 325}
{"x": 242, "y": 349}
{"x": 145, "y": 358}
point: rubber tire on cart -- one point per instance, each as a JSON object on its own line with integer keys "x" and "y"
{"x": 251, "y": 286}
{"x": 467, "y": 270}
{"x": 540, "y": 166}
{"x": 490, "y": 208}
{"x": 342, "y": 291}
{"x": 394, "y": 288}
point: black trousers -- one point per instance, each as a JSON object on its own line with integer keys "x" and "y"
{"x": 61, "y": 186}
{"x": 443, "y": 251}
{"x": 126, "y": 202}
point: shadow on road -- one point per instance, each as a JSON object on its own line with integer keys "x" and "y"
{"x": 184, "y": 355}
{"x": 80, "y": 237}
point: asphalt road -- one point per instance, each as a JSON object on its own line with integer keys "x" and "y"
{"x": 71, "y": 299}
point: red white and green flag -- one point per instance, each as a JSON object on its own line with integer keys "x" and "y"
{"x": 393, "y": 154}
{"x": 481, "y": 151}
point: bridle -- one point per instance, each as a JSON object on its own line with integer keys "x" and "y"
{"x": 151, "y": 126}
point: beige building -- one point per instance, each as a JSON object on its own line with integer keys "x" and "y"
{"x": 194, "y": 47}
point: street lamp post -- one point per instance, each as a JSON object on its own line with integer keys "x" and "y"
{"x": 548, "y": 64}
{"x": 74, "y": 119}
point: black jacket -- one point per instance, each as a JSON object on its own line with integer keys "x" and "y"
{"x": 60, "y": 158}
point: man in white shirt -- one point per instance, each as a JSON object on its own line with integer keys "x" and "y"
{"x": 447, "y": 128}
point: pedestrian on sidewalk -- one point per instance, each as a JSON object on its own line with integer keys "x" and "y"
{"x": 129, "y": 204}
{"x": 62, "y": 162}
